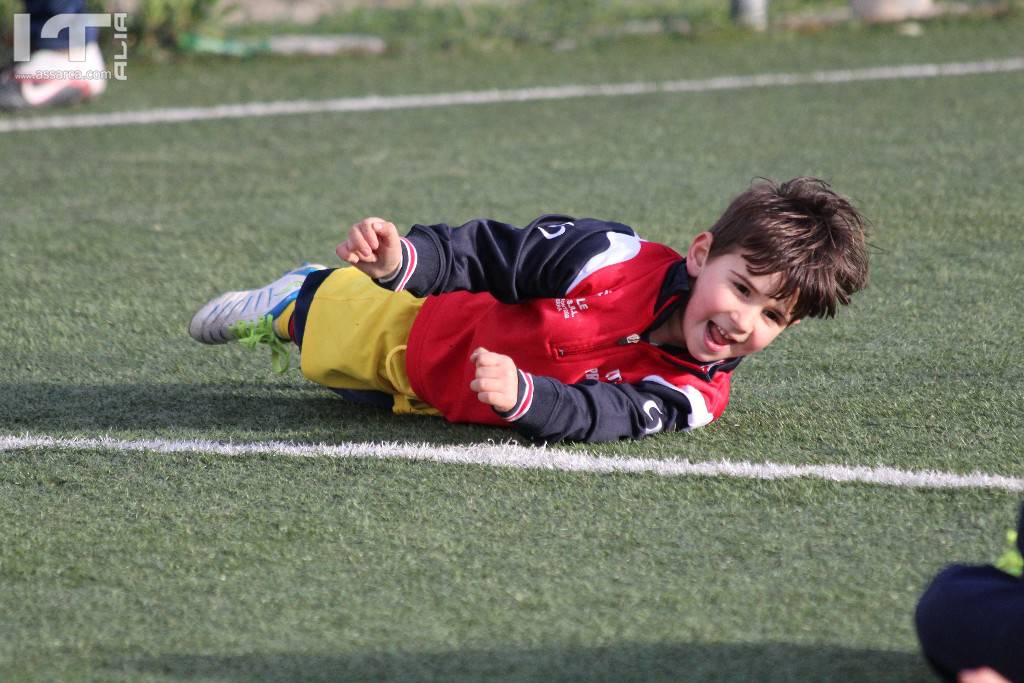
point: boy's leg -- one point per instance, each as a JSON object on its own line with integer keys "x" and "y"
{"x": 351, "y": 332}
{"x": 353, "y": 335}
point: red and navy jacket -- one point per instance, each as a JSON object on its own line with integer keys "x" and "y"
{"x": 572, "y": 302}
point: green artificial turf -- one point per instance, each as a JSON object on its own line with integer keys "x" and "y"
{"x": 202, "y": 568}
{"x": 125, "y": 566}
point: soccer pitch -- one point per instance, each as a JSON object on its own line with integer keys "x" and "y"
{"x": 124, "y": 560}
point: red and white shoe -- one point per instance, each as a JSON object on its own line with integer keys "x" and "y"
{"x": 51, "y": 79}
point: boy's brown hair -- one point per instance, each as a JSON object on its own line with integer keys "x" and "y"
{"x": 804, "y": 230}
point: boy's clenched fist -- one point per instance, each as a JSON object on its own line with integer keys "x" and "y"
{"x": 497, "y": 380}
{"x": 374, "y": 247}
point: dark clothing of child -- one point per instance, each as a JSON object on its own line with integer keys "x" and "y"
{"x": 972, "y": 617}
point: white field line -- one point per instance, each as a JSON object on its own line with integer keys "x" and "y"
{"x": 521, "y": 457}
{"x": 383, "y": 103}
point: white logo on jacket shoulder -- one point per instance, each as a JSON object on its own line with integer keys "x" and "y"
{"x": 552, "y": 235}
{"x": 653, "y": 415}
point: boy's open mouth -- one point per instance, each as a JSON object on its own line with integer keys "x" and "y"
{"x": 717, "y": 335}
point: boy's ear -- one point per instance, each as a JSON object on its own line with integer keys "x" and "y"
{"x": 794, "y": 322}
{"x": 697, "y": 256}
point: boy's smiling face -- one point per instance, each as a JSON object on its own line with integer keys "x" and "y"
{"x": 730, "y": 312}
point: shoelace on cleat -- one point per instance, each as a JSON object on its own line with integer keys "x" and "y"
{"x": 252, "y": 334}
{"x": 1011, "y": 561}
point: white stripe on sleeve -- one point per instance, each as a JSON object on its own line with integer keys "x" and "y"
{"x": 621, "y": 248}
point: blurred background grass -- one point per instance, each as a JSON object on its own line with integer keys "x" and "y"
{"x": 159, "y": 27}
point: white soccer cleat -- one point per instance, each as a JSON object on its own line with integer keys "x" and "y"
{"x": 51, "y": 79}
{"x": 213, "y": 323}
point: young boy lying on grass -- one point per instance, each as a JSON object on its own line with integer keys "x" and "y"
{"x": 569, "y": 328}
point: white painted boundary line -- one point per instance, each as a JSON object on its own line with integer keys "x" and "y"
{"x": 384, "y": 103}
{"x": 520, "y": 457}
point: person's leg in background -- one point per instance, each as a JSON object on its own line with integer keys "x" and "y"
{"x": 970, "y": 621}
{"x": 50, "y": 77}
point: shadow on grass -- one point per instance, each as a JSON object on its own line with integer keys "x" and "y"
{"x": 298, "y": 412}
{"x": 626, "y": 662}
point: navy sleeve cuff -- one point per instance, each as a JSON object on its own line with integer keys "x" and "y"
{"x": 421, "y": 263}
{"x": 537, "y": 396}
{"x": 524, "y": 399}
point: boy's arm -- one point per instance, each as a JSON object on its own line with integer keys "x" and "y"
{"x": 545, "y": 409}
{"x": 597, "y": 411}
{"x": 544, "y": 259}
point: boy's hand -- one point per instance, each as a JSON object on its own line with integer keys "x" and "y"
{"x": 497, "y": 381}
{"x": 373, "y": 247}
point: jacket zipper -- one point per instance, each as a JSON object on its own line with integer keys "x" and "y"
{"x": 563, "y": 351}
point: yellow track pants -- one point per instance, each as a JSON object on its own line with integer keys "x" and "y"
{"x": 356, "y": 335}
